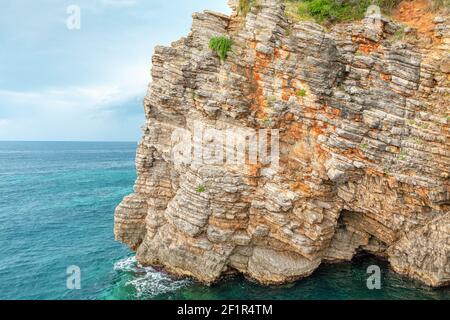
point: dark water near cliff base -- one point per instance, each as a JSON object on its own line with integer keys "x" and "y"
{"x": 57, "y": 203}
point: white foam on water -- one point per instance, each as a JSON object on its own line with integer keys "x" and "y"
{"x": 153, "y": 283}
{"x": 127, "y": 265}
{"x": 147, "y": 281}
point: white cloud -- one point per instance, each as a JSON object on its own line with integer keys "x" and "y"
{"x": 119, "y": 3}
{"x": 4, "y": 123}
{"x": 100, "y": 113}
{"x": 107, "y": 111}
{"x": 65, "y": 98}
{"x": 133, "y": 82}
{"x": 65, "y": 85}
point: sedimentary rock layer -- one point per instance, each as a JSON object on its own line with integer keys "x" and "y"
{"x": 364, "y": 159}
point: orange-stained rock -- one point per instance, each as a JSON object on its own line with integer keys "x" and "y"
{"x": 364, "y": 151}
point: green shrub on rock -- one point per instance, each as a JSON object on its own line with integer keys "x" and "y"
{"x": 221, "y": 45}
{"x": 335, "y": 11}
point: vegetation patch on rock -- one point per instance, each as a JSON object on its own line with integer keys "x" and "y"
{"x": 221, "y": 45}
{"x": 335, "y": 11}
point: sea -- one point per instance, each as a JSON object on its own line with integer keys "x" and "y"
{"x": 57, "y": 202}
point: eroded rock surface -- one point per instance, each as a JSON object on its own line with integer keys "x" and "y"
{"x": 364, "y": 150}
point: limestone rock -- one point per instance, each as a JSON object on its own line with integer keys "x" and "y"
{"x": 271, "y": 267}
{"x": 363, "y": 141}
{"x": 424, "y": 254}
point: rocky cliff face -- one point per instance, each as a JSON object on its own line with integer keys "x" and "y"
{"x": 363, "y": 140}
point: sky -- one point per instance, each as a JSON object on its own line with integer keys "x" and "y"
{"x": 59, "y": 82}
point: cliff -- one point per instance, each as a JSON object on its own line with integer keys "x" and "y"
{"x": 360, "y": 116}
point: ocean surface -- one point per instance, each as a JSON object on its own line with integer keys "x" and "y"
{"x": 57, "y": 203}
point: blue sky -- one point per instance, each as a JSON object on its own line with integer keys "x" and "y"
{"x": 87, "y": 84}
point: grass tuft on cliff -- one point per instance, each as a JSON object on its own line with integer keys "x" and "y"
{"x": 200, "y": 189}
{"x": 301, "y": 93}
{"x": 440, "y": 4}
{"x": 244, "y": 7}
{"x": 330, "y": 12}
{"x": 335, "y": 11}
{"x": 221, "y": 45}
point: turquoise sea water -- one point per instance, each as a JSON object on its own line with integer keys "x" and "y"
{"x": 57, "y": 205}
